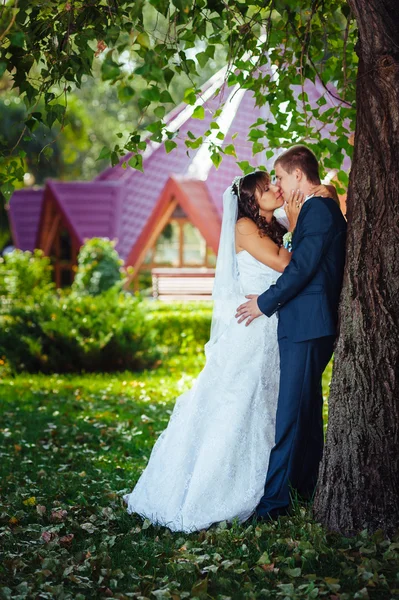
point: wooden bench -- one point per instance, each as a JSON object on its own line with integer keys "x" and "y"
{"x": 182, "y": 284}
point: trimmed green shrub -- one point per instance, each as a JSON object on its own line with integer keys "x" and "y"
{"x": 180, "y": 327}
{"x": 73, "y": 333}
{"x": 99, "y": 268}
{"x": 23, "y": 273}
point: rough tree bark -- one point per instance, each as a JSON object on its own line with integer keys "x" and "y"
{"x": 359, "y": 476}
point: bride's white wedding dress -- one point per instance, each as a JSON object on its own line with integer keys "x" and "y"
{"x": 210, "y": 463}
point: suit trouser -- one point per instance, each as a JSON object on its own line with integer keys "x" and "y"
{"x": 295, "y": 457}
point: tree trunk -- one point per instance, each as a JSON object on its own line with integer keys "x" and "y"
{"x": 359, "y": 476}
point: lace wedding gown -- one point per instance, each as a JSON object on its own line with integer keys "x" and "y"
{"x": 210, "y": 463}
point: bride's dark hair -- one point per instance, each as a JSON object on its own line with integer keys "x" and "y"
{"x": 249, "y": 207}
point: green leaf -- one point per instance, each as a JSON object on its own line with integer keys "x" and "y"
{"x": 264, "y": 559}
{"x": 257, "y": 147}
{"x": 230, "y": 150}
{"x": 162, "y": 6}
{"x": 110, "y": 69}
{"x": 160, "y": 112}
{"x": 166, "y": 97}
{"x": 189, "y": 96}
{"x": 136, "y": 162}
{"x": 114, "y": 158}
{"x": 152, "y": 94}
{"x": 202, "y": 58}
{"x": 143, "y": 40}
{"x": 216, "y": 159}
{"x": 210, "y": 51}
{"x": 170, "y": 145}
{"x": 343, "y": 178}
{"x": 245, "y": 166}
{"x": 194, "y": 144}
{"x": 17, "y": 39}
{"x": 199, "y": 112}
{"x": 168, "y": 75}
{"x": 7, "y": 190}
{"x": 155, "y": 127}
{"x": 48, "y": 152}
{"x": 293, "y": 572}
{"x": 200, "y": 588}
{"x": 125, "y": 93}
{"x": 3, "y": 67}
{"x": 105, "y": 153}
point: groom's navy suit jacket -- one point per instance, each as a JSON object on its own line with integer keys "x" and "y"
{"x": 306, "y": 295}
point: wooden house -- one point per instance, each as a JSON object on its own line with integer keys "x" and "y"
{"x": 179, "y": 194}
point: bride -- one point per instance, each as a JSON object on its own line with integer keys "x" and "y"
{"x": 210, "y": 463}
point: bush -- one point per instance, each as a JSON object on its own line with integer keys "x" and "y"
{"x": 99, "y": 268}
{"x": 180, "y": 327}
{"x": 23, "y": 273}
{"x": 73, "y": 333}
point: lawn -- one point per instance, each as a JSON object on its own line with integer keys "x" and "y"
{"x": 70, "y": 447}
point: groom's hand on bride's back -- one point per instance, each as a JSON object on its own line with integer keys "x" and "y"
{"x": 249, "y": 310}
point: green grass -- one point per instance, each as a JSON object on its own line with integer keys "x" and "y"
{"x": 70, "y": 447}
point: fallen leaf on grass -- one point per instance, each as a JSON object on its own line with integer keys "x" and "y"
{"x": 30, "y": 501}
{"x": 48, "y": 536}
{"x": 270, "y": 568}
{"x": 146, "y": 524}
{"x": 105, "y": 591}
{"x": 57, "y": 516}
{"x": 293, "y": 572}
{"x": 66, "y": 539}
{"x": 201, "y": 587}
{"x": 89, "y": 527}
{"x": 264, "y": 559}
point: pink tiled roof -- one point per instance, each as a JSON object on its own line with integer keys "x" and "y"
{"x": 92, "y": 209}
{"x": 142, "y": 190}
{"x": 25, "y": 209}
{"x": 122, "y": 202}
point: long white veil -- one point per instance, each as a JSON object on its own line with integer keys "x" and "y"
{"x": 226, "y": 288}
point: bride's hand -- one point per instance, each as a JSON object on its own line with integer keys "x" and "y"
{"x": 326, "y": 191}
{"x": 293, "y": 207}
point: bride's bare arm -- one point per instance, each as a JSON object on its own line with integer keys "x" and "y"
{"x": 261, "y": 248}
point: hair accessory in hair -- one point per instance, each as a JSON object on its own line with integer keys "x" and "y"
{"x": 237, "y": 181}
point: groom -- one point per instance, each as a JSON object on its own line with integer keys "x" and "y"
{"x": 306, "y": 298}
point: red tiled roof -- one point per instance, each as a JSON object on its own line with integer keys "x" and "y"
{"x": 196, "y": 202}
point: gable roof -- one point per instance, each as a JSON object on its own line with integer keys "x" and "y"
{"x": 89, "y": 209}
{"x": 194, "y": 199}
{"x": 24, "y": 210}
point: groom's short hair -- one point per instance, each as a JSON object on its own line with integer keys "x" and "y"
{"x": 300, "y": 157}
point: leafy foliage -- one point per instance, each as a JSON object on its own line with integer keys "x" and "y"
{"x": 72, "y": 446}
{"x": 51, "y": 334}
{"x": 180, "y": 327}
{"x": 99, "y": 267}
{"x": 52, "y": 45}
{"x": 22, "y": 273}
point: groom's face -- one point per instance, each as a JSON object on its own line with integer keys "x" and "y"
{"x": 285, "y": 181}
